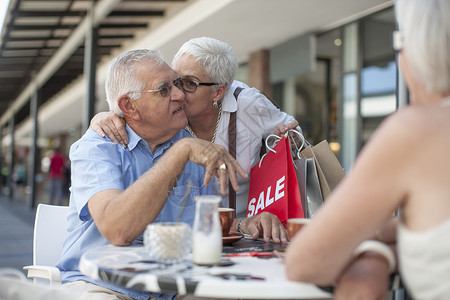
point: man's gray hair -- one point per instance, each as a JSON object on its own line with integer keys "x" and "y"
{"x": 216, "y": 58}
{"x": 121, "y": 77}
{"x": 425, "y": 26}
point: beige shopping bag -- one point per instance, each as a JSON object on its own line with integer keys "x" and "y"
{"x": 329, "y": 170}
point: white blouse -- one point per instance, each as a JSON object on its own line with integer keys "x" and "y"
{"x": 256, "y": 118}
{"x": 424, "y": 261}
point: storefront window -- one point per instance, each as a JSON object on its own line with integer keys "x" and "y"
{"x": 378, "y": 74}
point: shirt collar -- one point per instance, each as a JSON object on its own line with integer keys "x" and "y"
{"x": 229, "y": 103}
{"x": 134, "y": 139}
{"x": 164, "y": 146}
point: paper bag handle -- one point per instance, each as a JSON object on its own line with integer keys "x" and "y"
{"x": 277, "y": 138}
{"x": 302, "y": 138}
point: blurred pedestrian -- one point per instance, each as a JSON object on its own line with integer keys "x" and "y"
{"x": 56, "y": 176}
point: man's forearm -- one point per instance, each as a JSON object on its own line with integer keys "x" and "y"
{"x": 122, "y": 216}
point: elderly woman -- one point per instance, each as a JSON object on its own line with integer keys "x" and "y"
{"x": 395, "y": 170}
{"x": 207, "y": 68}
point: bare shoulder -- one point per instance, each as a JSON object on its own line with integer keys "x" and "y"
{"x": 419, "y": 134}
{"x": 407, "y": 135}
{"x": 400, "y": 129}
{"x": 414, "y": 124}
{"x": 428, "y": 130}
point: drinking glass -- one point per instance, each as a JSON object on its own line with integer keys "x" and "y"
{"x": 168, "y": 242}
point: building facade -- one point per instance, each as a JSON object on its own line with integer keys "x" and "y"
{"x": 328, "y": 63}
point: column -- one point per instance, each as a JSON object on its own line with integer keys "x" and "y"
{"x": 259, "y": 72}
{"x": 90, "y": 59}
{"x": 350, "y": 126}
{"x": 289, "y": 96}
{"x": 32, "y": 155}
{"x": 11, "y": 157}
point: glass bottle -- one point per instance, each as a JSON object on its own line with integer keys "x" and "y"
{"x": 207, "y": 232}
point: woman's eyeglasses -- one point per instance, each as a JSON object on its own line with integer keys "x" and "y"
{"x": 191, "y": 86}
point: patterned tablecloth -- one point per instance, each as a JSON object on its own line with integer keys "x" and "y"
{"x": 260, "y": 276}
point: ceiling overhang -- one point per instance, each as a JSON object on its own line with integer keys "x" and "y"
{"x": 247, "y": 26}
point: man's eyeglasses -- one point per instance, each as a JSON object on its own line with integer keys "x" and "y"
{"x": 397, "y": 41}
{"x": 191, "y": 86}
{"x": 166, "y": 88}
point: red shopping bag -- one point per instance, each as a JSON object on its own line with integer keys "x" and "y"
{"x": 273, "y": 185}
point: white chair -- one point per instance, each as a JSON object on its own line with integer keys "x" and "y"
{"x": 50, "y": 229}
{"x": 15, "y": 286}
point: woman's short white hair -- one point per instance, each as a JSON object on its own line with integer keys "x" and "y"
{"x": 216, "y": 58}
{"x": 425, "y": 26}
{"x": 121, "y": 77}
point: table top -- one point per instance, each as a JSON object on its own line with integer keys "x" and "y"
{"x": 240, "y": 275}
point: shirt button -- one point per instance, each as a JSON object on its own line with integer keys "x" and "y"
{"x": 143, "y": 144}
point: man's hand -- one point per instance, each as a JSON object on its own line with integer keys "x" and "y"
{"x": 367, "y": 277}
{"x": 217, "y": 161}
{"x": 267, "y": 226}
{"x": 112, "y": 125}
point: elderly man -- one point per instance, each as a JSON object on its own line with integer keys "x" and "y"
{"x": 116, "y": 192}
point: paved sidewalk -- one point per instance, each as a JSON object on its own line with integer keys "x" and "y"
{"x": 16, "y": 233}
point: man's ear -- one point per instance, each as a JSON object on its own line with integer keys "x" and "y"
{"x": 219, "y": 93}
{"x": 127, "y": 106}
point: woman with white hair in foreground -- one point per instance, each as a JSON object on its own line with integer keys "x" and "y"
{"x": 405, "y": 164}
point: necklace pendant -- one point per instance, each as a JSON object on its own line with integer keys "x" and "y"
{"x": 189, "y": 129}
{"x": 191, "y": 132}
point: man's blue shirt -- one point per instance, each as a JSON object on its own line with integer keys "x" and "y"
{"x": 99, "y": 164}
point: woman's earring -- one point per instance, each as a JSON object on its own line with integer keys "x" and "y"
{"x": 215, "y": 104}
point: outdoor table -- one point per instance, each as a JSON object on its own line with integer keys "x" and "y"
{"x": 240, "y": 274}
